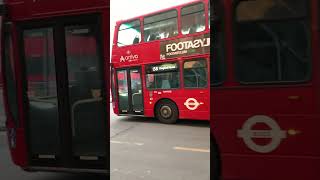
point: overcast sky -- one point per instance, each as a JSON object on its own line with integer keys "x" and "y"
{"x": 125, "y": 9}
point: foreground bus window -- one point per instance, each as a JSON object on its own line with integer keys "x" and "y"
{"x": 42, "y": 93}
{"x": 266, "y": 51}
{"x": 56, "y": 84}
{"x": 86, "y": 93}
{"x": 264, "y": 115}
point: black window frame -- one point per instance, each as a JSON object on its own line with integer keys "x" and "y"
{"x": 306, "y": 18}
{"x": 14, "y": 114}
{"x": 218, "y": 15}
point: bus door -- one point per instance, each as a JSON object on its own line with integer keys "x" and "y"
{"x": 65, "y": 92}
{"x": 196, "y": 100}
{"x": 130, "y": 92}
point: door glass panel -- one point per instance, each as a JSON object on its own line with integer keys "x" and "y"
{"x": 136, "y": 91}
{"x": 41, "y": 91}
{"x": 123, "y": 91}
{"x": 85, "y": 77}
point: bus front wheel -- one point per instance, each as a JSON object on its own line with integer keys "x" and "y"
{"x": 166, "y": 112}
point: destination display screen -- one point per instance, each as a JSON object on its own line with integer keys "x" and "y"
{"x": 164, "y": 67}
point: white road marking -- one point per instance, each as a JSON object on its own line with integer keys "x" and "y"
{"x": 192, "y": 149}
{"x": 129, "y": 143}
{"x": 175, "y": 148}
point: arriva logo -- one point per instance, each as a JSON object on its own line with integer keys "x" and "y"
{"x": 129, "y": 57}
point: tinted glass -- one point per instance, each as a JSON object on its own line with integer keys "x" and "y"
{"x": 161, "y": 26}
{"x": 272, "y": 51}
{"x": 163, "y": 76}
{"x": 129, "y": 33}
{"x": 195, "y": 74}
{"x": 270, "y": 9}
{"x": 193, "y": 19}
{"x": 85, "y": 80}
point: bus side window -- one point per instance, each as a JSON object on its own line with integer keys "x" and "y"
{"x": 161, "y": 26}
{"x": 163, "y": 76}
{"x": 195, "y": 73}
{"x": 275, "y": 47}
{"x": 129, "y": 33}
{"x": 193, "y": 19}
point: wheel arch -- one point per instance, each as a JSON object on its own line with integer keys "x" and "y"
{"x": 163, "y": 99}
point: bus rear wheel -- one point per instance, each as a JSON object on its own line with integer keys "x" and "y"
{"x": 167, "y": 112}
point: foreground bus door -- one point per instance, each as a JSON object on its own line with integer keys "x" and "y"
{"x": 130, "y": 92}
{"x": 65, "y": 93}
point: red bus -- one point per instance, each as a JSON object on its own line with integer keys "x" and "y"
{"x": 265, "y": 86}
{"x": 56, "y": 84}
{"x": 160, "y": 64}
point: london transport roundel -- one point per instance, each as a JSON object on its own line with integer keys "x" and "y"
{"x": 275, "y": 134}
{"x": 192, "y": 104}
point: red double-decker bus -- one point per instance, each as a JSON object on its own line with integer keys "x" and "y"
{"x": 160, "y": 64}
{"x": 265, "y": 89}
{"x": 56, "y": 84}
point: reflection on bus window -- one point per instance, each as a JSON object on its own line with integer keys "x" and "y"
{"x": 195, "y": 74}
{"x": 273, "y": 51}
{"x": 163, "y": 76}
{"x": 122, "y": 82}
{"x": 193, "y": 19}
{"x": 270, "y": 9}
{"x": 39, "y": 55}
{"x": 161, "y": 26}
{"x": 129, "y": 33}
{"x": 82, "y": 56}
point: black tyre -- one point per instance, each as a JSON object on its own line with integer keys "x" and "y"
{"x": 167, "y": 112}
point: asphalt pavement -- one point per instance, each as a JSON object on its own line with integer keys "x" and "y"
{"x": 143, "y": 148}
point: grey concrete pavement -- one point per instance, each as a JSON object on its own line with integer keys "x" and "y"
{"x": 142, "y": 148}
{"x": 8, "y": 171}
